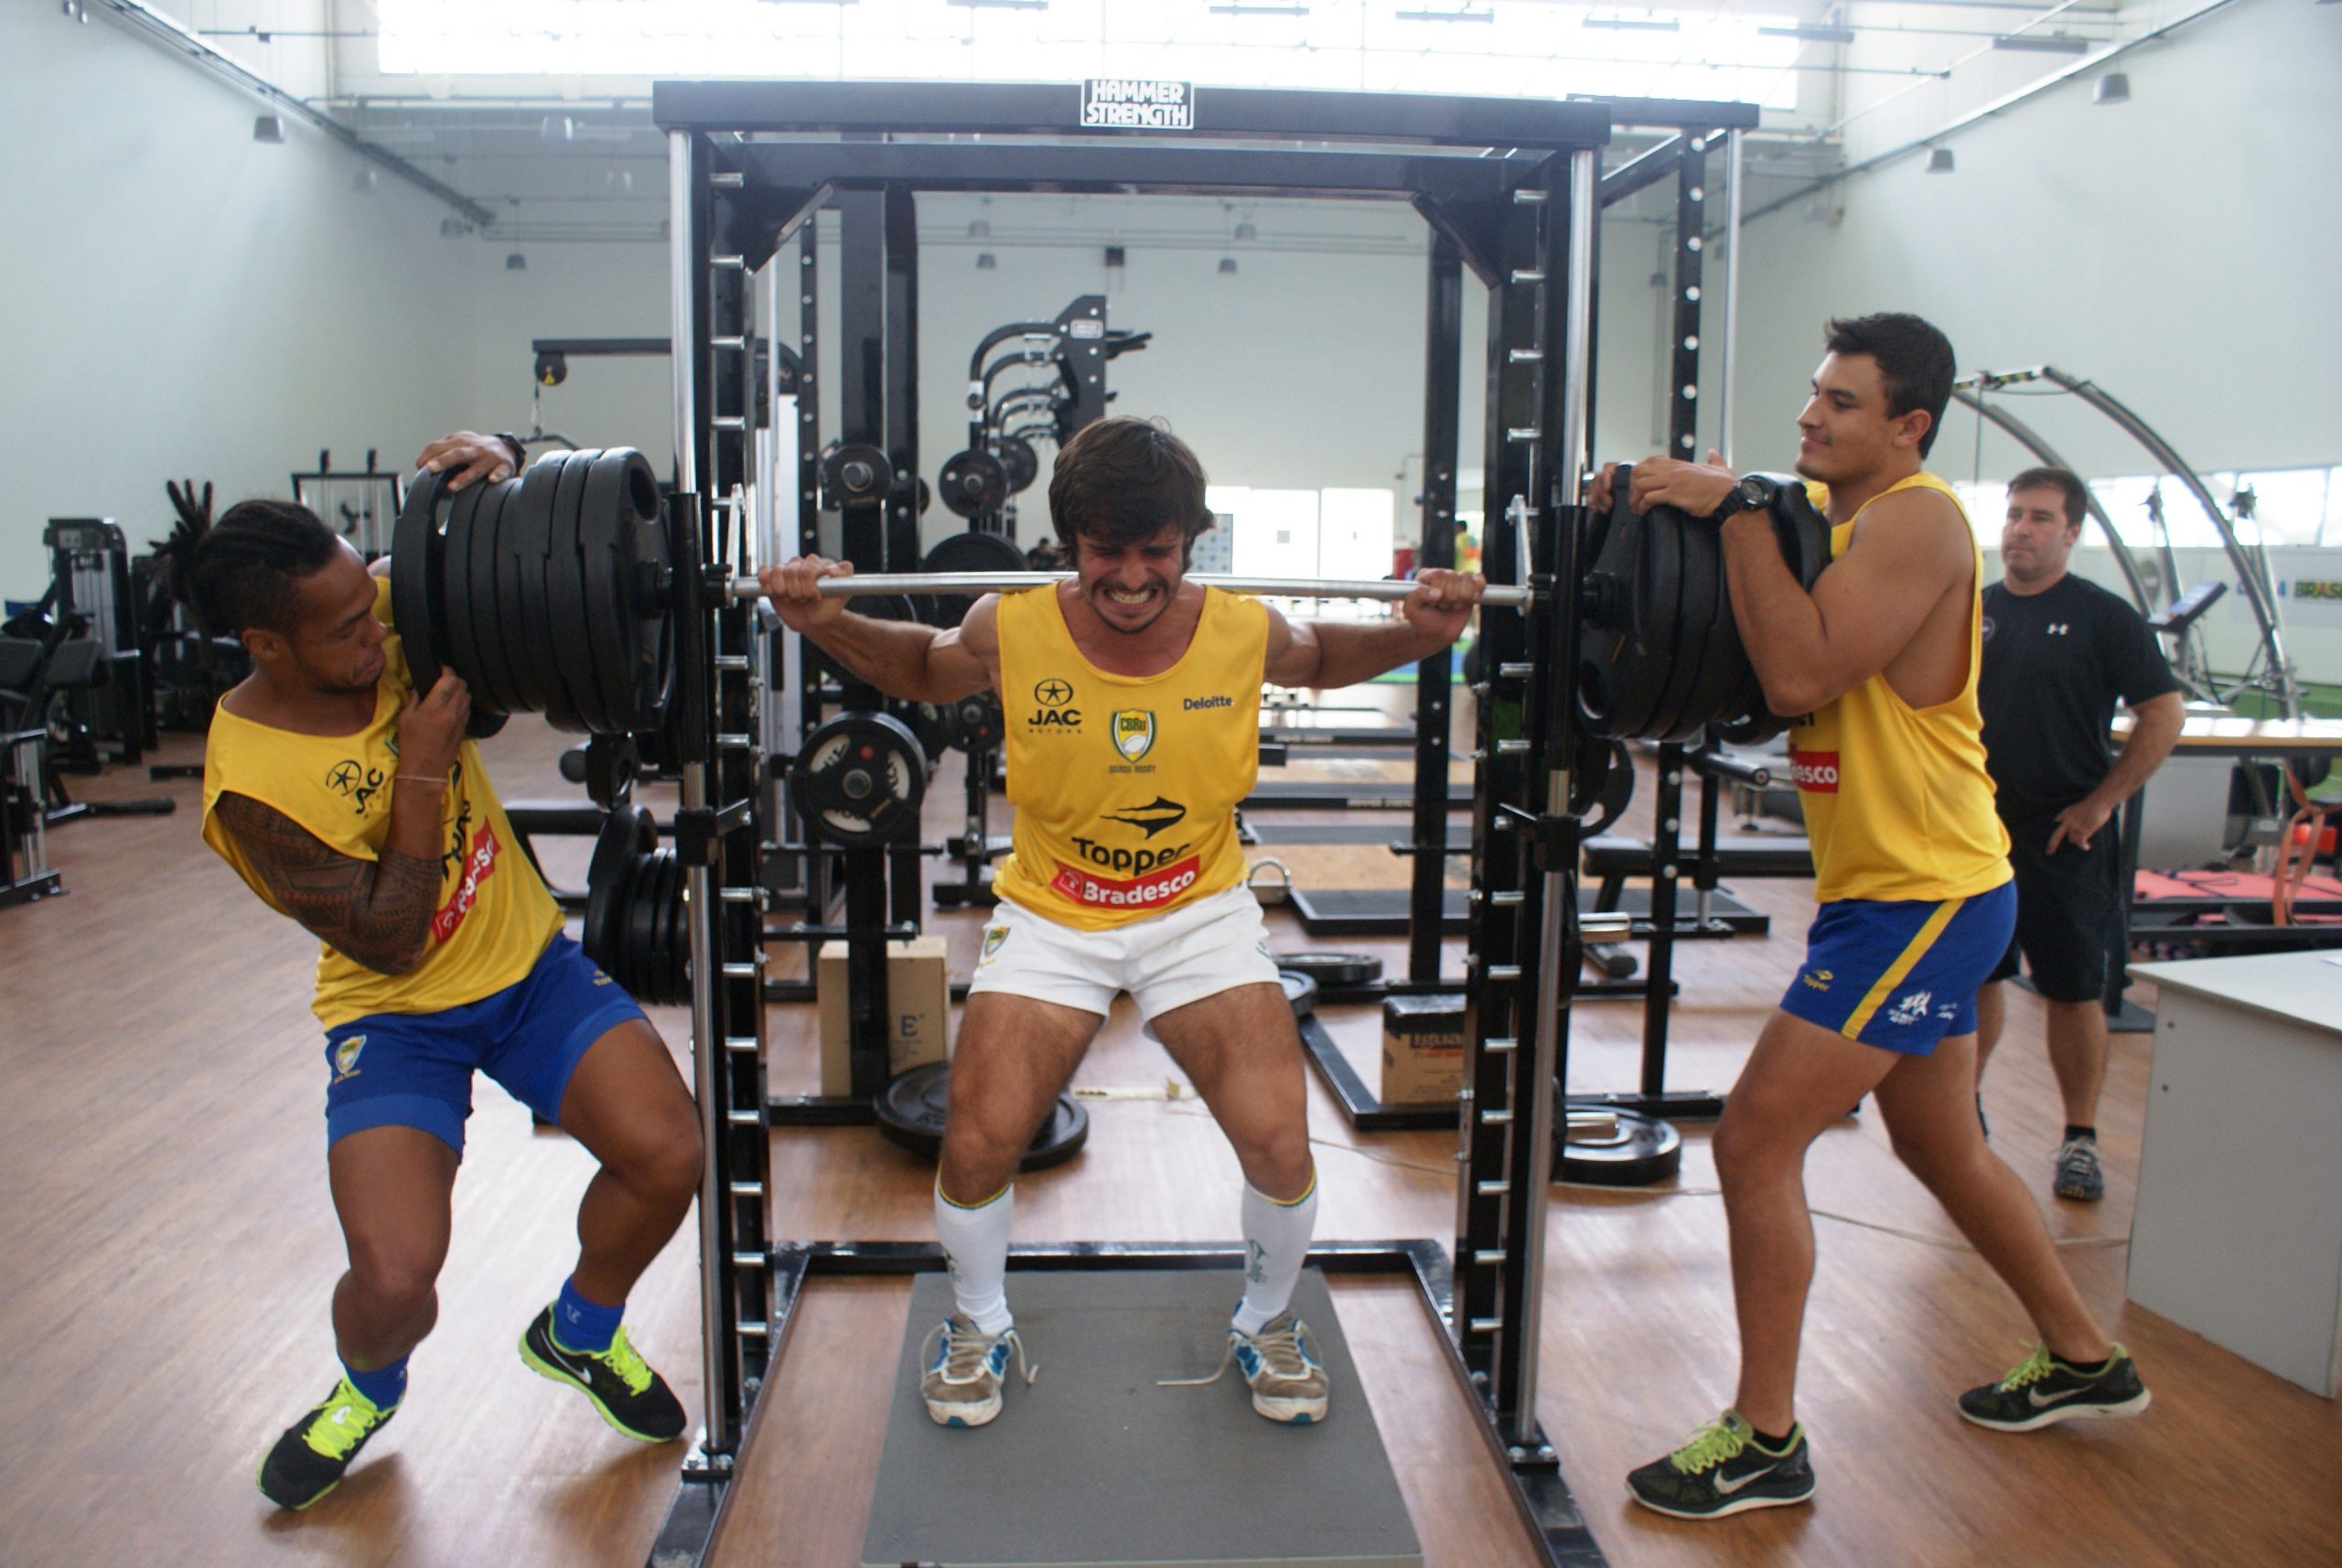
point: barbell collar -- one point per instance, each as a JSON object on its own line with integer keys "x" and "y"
{"x": 1497, "y": 595}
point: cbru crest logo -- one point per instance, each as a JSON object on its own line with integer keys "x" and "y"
{"x": 345, "y": 1057}
{"x": 994, "y": 937}
{"x": 1133, "y": 730}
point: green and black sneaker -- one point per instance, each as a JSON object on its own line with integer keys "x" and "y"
{"x": 1724, "y": 1470}
{"x": 309, "y": 1460}
{"x": 2042, "y": 1391}
{"x": 631, "y": 1396}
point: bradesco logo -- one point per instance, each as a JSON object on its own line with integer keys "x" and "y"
{"x": 1053, "y": 706}
{"x": 1132, "y": 893}
{"x": 1815, "y": 771}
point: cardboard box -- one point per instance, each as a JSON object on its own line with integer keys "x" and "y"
{"x": 918, "y": 1001}
{"x": 1423, "y": 1048}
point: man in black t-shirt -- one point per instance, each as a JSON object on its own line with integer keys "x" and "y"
{"x": 2058, "y": 651}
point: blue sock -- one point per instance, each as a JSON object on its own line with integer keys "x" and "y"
{"x": 582, "y": 1325}
{"x": 385, "y": 1386}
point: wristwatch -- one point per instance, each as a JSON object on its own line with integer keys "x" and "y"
{"x": 1754, "y": 493}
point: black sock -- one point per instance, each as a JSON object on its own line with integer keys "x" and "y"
{"x": 1767, "y": 1440}
{"x": 2073, "y": 1132}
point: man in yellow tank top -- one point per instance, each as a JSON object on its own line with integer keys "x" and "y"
{"x": 1879, "y": 664}
{"x": 357, "y": 806}
{"x": 1132, "y": 698}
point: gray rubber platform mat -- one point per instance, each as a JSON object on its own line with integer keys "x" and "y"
{"x": 1094, "y": 1465}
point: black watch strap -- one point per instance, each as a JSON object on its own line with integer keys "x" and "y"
{"x": 519, "y": 448}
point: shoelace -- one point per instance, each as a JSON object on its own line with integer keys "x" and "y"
{"x": 2032, "y": 1370}
{"x": 1709, "y": 1446}
{"x": 1280, "y": 1348}
{"x": 965, "y": 1354}
{"x": 341, "y": 1423}
{"x": 624, "y": 1359}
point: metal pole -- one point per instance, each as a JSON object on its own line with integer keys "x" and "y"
{"x": 1727, "y": 361}
{"x": 1499, "y": 595}
{"x": 716, "y": 1347}
{"x": 1577, "y": 387}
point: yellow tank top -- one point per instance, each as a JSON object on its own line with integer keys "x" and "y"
{"x": 1897, "y": 804}
{"x": 495, "y": 915}
{"x": 1126, "y": 786}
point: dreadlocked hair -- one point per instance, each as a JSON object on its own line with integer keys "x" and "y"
{"x": 242, "y": 574}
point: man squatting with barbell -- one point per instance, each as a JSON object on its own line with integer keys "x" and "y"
{"x": 1132, "y": 698}
{"x": 358, "y": 807}
{"x": 1911, "y": 873}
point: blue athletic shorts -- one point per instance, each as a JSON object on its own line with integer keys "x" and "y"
{"x": 414, "y": 1070}
{"x": 1901, "y": 973}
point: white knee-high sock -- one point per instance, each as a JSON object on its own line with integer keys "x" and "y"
{"x": 975, "y": 1240}
{"x": 1276, "y": 1242}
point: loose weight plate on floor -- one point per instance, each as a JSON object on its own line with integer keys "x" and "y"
{"x": 911, "y": 1110}
{"x": 1093, "y": 1463}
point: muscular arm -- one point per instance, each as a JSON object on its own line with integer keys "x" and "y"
{"x": 377, "y": 913}
{"x": 2154, "y": 730}
{"x": 1865, "y": 610}
{"x": 917, "y": 664}
{"x": 1343, "y": 652}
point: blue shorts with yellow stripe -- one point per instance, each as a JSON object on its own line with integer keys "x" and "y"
{"x": 1901, "y": 973}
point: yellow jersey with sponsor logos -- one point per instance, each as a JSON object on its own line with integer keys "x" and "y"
{"x": 1897, "y": 803}
{"x": 1126, "y": 786}
{"x": 494, "y": 916}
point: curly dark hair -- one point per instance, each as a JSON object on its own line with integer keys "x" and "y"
{"x": 1120, "y": 480}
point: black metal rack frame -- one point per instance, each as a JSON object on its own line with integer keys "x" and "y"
{"x": 1510, "y": 189}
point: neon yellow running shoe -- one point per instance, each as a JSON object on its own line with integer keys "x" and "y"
{"x": 631, "y": 1396}
{"x": 309, "y": 1460}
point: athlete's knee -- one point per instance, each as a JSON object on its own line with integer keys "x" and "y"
{"x": 664, "y": 1161}
{"x": 977, "y": 1162}
{"x": 1276, "y": 1159}
{"x": 396, "y": 1283}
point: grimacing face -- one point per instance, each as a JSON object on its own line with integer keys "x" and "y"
{"x": 336, "y": 645}
{"x": 1129, "y": 585}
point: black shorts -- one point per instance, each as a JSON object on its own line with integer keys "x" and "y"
{"x": 2069, "y": 919}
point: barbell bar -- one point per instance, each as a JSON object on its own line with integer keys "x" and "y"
{"x": 1502, "y": 595}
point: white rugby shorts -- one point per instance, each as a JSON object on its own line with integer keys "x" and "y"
{"x": 1164, "y": 961}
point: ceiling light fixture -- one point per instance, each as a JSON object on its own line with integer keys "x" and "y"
{"x": 268, "y": 128}
{"x": 2043, "y": 43}
{"x": 1246, "y": 232}
{"x": 1635, "y": 24}
{"x": 1437, "y": 17}
{"x": 986, "y": 261}
{"x": 1939, "y": 160}
{"x": 1812, "y": 32}
{"x": 2114, "y": 87}
{"x": 514, "y": 262}
{"x": 1227, "y": 266}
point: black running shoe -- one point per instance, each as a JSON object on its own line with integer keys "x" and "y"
{"x": 309, "y": 1460}
{"x": 1723, "y": 1469}
{"x": 2042, "y": 1391}
{"x": 631, "y": 1396}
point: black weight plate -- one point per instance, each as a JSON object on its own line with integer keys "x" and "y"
{"x": 977, "y": 725}
{"x": 972, "y": 483}
{"x": 859, "y": 780}
{"x": 644, "y": 558}
{"x": 935, "y": 728}
{"x": 1720, "y": 668}
{"x": 1300, "y": 992}
{"x": 969, "y": 552}
{"x": 1331, "y": 968}
{"x": 415, "y": 560}
{"x": 572, "y": 626}
{"x": 1695, "y": 606}
{"x": 1642, "y": 1150}
{"x": 479, "y": 588}
{"x": 1616, "y": 789}
{"x": 679, "y": 952}
{"x": 641, "y": 926}
{"x": 1605, "y": 635}
{"x": 605, "y": 874}
{"x": 1655, "y": 607}
{"x": 460, "y": 652}
{"x": 1017, "y": 456}
{"x": 666, "y": 903}
{"x": 520, "y": 599}
{"x": 912, "y": 1112}
{"x": 607, "y": 627}
{"x": 564, "y": 652}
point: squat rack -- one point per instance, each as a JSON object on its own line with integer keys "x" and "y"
{"x": 1510, "y": 188}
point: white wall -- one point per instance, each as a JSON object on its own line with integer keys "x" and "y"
{"x": 183, "y": 301}
{"x": 2179, "y": 250}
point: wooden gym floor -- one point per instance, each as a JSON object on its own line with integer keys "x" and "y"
{"x": 169, "y": 1246}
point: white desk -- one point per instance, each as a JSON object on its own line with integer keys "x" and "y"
{"x": 2238, "y": 1230}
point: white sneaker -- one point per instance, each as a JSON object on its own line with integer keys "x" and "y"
{"x": 963, "y": 1382}
{"x": 1279, "y": 1362}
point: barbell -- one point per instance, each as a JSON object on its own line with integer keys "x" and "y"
{"x": 553, "y": 592}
